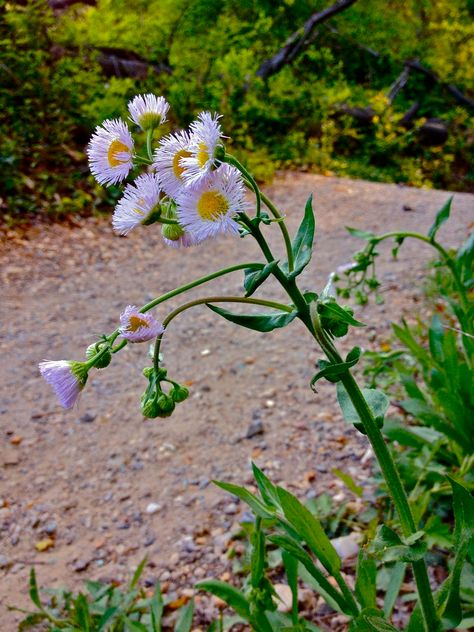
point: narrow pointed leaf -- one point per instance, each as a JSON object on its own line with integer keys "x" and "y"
{"x": 397, "y": 574}
{"x": 310, "y": 530}
{"x": 266, "y": 488}
{"x": 257, "y": 322}
{"x": 441, "y": 216}
{"x": 185, "y": 620}
{"x": 302, "y": 245}
{"x": 334, "y": 311}
{"x": 366, "y": 574}
{"x": 232, "y": 596}
{"x": 254, "y": 278}
{"x": 252, "y": 501}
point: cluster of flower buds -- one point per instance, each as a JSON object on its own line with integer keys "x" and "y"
{"x": 155, "y": 402}
{"x": 187, "y": 187}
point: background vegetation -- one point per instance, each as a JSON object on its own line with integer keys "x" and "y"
{"x": 334, "y": 108}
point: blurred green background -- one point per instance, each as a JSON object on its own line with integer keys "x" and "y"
{"x": 333, "y": 109}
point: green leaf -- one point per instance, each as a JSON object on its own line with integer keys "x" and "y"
{"x": 366, "y": 574}
{"x": 134, "y": 626}
{"x": 137, "y": 574}
{"x": 254, "y": 278}
{"x": 330, "y": 594}
{"x": 349, "y": 482}
{"x": 185, "y": 619}
{"x": 232, "y": 596}
{"x": 34, "y": 593}
{"x": 106, "y": 618}
{"x": 310, "y": 530}
{"x": 302, "y": 245}
{"x": 441, "y": 216}
{"x": 389, "y": 547}
{"x": 333, "y": 311}
{"x": 31, "y": 620}
{"x": 291, "y": 569}
{"x": 333, "y": 371}
{"x": 257, "y": 322}
{"x": 377, "y": 401}
{"x": 257, "y": 559}
{"x": 362, "y": 234}
{"x": 463, "y": 505}
{"x": 83, "y": 616}
{"x": 252, "y": 501}
{"x": 156, "y": 608}
{"x": 266, "y": 488}
{"x": 397, "y": 574}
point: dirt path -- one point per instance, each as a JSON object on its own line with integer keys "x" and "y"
{"x": 88, "y": 478}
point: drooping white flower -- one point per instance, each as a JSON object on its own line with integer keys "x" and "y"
{"x": 167, "y": 161}
{"x": 206, "y": 138}
{"x": 138, "y": 327}
{"x": 148, "y": 111}
{"x": 139, "y": 201}
{"x": 209, "y": 209}
{"x": 110, "y": 152}
{"x": 175, "y": 236}
{"x": 67, "y": 379}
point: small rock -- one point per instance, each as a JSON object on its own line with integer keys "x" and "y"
{"x": 347, "y": 545}
{"x": 80, "y": 565}
{"x": 149, "y": 539}
{"x": 255, "y": 428}
{"x": 16, "y": 440}
{"x": 4, "y": 561}
{"x": 205, "y": 352}
{"x": 50, "y": 527}
{"x": 283, "y": 592}
{"x": 87, "y": 418}
{"x": 231, "y": 509}
{"x": 153, "y": 508}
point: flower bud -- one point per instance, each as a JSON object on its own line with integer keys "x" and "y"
{"x": 173, "y": 232}
{"x": 149, "y": 371}
{"x": 150, "y": 409}
{"x": 105, "y": 358}
{"x": 179, "y": 393}
{"x": 165, "y": 405}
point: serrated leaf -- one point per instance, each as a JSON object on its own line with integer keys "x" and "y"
{"x": 257, "y": 322}
{"x": 255, "y": 277}
{"x": 252, "y": 501}
{"x": 333, "y": 311}
{"x": 232, "y": 596}
{"x": 441, "y": 216}
{"x": 310, "y": 530}
{"x": 185, "y": 619}
{"x": 302, "y": 245}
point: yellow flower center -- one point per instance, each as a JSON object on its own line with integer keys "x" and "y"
{"x": 116, "y": 147}
{"x": 212, "y": 206}
{"x": 135, "y": 323}
{"x": 202, "y": 155}
{"x": 177, "y": 168}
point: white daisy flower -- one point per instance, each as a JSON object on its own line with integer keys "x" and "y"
{"x": 138, "y": 327}
{"x": 209, "y": 210}
{"x": 176, "y": 237}
{"x": 168, "y": 155}
{"x": 206, "y": 138}
{"x": 67, "y": 379}
{"x": 110, "y": 152}
{"x": 140, "y": 200}
{"x": 148, "y": 111}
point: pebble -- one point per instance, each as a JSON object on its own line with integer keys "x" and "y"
{"x": 80, "y": 565}
{"x": 4, "y": 561}
{"x": 88, "y": 418}
{"x": 283, "y": 592}
{"x": 347, "y": 545}
{"x": 255, "y": 428}
{"x": 50, "y": 527}
{"x": 153, "y": 508}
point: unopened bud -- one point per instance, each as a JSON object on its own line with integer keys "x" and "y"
{"x": 105, "y": 357}
{"x": 173, "y": 232}
{"x": 150, "y": 409}
{"x": 165, "y": 406}
{"x": 179, "y": 393}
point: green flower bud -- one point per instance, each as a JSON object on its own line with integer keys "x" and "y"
{"x": 179, "y": 393}
{"x": 104, "y": 360}
{"x": 150, "y": 409}
{"x": 149, "y": 371}
{"x": 173, "y": 232}
{"x": 165, "y": 405}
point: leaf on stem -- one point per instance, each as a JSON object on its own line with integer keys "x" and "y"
{"x": 252, "y": 501}
{"x": 232, "y": 596}
{"x": 388, "y": 545}
{"x": 441, "y": 216}
{"x": 257, "y": 322}
{"x": 254, "y": 278}
{"x": 333, "y": 371}
{"x": 362, "y": 234}
{"x": 366, "y": 575}
{"x": 302, "y": 245}
{"x": 376, "y": 400}
{"x": 185, "y": 620}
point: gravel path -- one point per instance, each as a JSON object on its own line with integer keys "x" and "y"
{"x": 107, "y": 486}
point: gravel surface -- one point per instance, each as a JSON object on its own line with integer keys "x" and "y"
{"x": 102, "y": 486}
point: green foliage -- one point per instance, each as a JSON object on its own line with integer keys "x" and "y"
{"x": 104, "y": 608}
{"x": 54, "y": 91}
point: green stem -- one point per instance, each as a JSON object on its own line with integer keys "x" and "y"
{"x": 442, "y": 251}
{"x": 390, "y": 473}
{"x": 149, "y": 140}
{"x": 284, "y": 230}
{"x": 232, "y": 160}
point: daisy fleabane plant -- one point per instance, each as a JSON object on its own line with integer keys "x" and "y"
{"x": 148, "y": 111}
{"x": 167, "y": 161}
{"x": 138, "y": 327}
{"x": 210, "y": 209}
{"x": 110, "y": 152}
{"x": 67, "y": 378}
{"x": 206, "y": 141}
{"x": 140, "y": 201}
